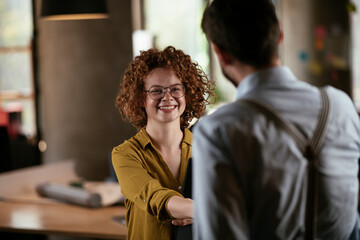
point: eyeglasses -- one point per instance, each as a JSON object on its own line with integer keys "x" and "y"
{"x": 157, "y": 92}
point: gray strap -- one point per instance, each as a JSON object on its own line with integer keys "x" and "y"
{"x": 310, "y": 150}
{"x": 319, "y": 133}
{"x": 301, "y": 141}
{"x": 279, "y": 121}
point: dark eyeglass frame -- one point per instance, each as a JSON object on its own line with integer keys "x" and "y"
{"x": 164, "y": 91}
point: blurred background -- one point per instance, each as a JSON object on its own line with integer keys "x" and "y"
{"x": 59, "y": 78}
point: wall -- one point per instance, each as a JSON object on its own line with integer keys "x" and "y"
{"x": 355, "y": 53}
{"x": 316, "y": 41}
{"x": 80, "y": 64}
{"x": 296, "y": 22}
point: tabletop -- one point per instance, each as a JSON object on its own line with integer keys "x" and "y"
{"x": 62, "y": 220}
{"x": 23, "y": 210}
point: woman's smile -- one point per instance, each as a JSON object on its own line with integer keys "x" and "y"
{"x": 168, "y": 108}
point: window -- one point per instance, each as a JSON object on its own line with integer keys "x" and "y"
{"x": 16, "y": 75}
{"x": 179, "y": 28}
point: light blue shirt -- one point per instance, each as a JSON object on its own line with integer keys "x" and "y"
{"x": 250, "y": 179}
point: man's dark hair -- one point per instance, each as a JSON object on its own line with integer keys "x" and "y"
{"x": 246, "y": 29}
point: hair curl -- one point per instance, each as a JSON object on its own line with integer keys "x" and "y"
{"x": 198, "y": 88}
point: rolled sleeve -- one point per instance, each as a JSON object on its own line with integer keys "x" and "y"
{"x": 139, "y": 187}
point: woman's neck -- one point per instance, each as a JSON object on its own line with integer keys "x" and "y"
{"x": 166, "y": 136}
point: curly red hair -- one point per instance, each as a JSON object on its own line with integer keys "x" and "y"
{"x": 198, "y": 88}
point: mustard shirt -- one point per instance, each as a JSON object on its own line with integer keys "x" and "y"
{"x": 147, "y": 183}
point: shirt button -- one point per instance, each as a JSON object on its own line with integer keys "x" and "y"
{"x": 179, "y": 187}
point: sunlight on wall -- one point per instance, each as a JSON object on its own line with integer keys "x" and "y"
{"x": 355, "y": 53}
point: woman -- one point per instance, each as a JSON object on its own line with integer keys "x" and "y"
{"x": 161, "y": 92}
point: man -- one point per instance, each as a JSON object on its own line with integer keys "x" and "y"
{"x": 250, "y": 177}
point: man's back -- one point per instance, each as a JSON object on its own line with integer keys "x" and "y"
{"x": 258, "y": 176}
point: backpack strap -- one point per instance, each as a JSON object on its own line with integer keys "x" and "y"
{"x": 310, "y": 150}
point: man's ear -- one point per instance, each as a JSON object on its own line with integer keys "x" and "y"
{"x": 224, "y": 57}
{"x": 281, "y": 35}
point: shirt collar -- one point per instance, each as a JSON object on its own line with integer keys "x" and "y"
{"x": 187, "y": 136}
{"x": 144, "y": 137}
{"x": 262, "y": 78}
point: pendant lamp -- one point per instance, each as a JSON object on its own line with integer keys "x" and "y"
{"x": 73, "y": 9}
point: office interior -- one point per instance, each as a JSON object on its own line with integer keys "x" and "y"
{"x": 62, "y": 106}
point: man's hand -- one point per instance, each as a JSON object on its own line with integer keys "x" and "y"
{"x": 181, "y": 222}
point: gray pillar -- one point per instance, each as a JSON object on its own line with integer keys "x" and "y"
{"x": 80, "y": 65}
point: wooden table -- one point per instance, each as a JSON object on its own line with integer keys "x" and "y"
{"x": 62, "y": 220}
{"x": 20, "y": 211}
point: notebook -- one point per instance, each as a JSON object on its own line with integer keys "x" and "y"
{"x": 185, "y": 233}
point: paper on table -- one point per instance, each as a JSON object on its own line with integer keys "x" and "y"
{"x": 109, "y": 191}
{"x": 93, "y": 194}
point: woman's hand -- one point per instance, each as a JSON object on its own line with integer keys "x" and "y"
{"x": 181, "y": 222}
{"x": 180, "y": 208}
